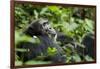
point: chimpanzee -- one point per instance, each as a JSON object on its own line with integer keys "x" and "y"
{"x": 88, "y": 41}
{"x": 89, "y": 49}
{"x": 42, "y": 30}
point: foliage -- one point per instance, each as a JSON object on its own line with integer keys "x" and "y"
{"x": 20, "y": 38}
{"x": 61, "y": 19}
{"x": 51, "y": 51}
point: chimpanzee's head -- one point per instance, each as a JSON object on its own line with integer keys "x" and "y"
{"x": 39, "y": 27}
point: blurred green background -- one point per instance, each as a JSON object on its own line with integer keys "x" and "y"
{"x": 75, "y": 22}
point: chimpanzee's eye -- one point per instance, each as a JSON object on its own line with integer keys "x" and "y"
{"x": 49, "y": 28}
{"x": 45, "y": 23}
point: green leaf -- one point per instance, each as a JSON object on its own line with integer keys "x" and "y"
{"x": 34, "y": 62}
{"x": 21, "y": 50}
{"x": 76, "y": 58}
{"x": 18, "y": 63}
{"x": 88, "y": 58}
{"x": 36, "y": 14}
{"x": 51, "y": 51}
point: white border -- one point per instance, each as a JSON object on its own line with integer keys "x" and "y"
{"x": 5, "y": 34}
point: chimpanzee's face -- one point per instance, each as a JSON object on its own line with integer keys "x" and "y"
{"x": 47, "y": 27}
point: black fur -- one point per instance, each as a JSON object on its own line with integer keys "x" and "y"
{"x": 34, "y": 50}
